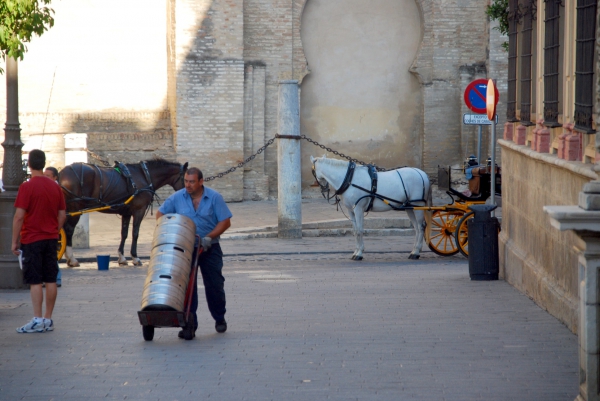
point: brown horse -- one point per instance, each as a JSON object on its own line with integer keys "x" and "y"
{"x": 87, "y": 186}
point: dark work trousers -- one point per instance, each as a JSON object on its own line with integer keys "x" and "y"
{"x": 211, "y": 267}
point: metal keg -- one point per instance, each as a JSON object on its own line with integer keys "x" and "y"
{"x": 175, "y": 229}
{"x": 170, "y": 263}
{"x": 178, "y": 275}
{"x": 169, "y": 254}
{"x": 164, "y": 291}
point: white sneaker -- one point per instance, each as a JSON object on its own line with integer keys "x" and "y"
{"x": 48, "y": 324}
{"x": 32, "y": 327}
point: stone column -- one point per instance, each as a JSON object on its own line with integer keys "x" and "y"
{"x": 75, "y": 152}
{"x": 584, "y": 219}
{"x": 12, "y": 177}
{"x": 289, "y": 191}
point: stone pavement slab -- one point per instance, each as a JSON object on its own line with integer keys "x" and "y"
{"x": 105, "y": 229}
{"x": 302, "y": 326}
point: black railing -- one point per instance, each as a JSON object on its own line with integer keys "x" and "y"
{"x": 526, "y": 54}
{"x": 584, "y": 65}
{"x": 513, "y": 21}
{"x": 551, "y": 62}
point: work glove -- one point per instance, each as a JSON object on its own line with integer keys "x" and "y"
{"x": 206, "y": 243}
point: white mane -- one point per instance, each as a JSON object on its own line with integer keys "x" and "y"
{"x": 333, "y": 162}
{"x": 337, "y": 162}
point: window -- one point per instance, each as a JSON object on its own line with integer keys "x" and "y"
{"x": 584, "y": 65}
{"x": 551, "y": 62}
{"x": 526, "y": 54}
{"x": 513, "y": 20}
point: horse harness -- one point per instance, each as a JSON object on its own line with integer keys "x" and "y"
{"x": 345, "y": 185}
{"x": 372, "y": 194}
{"x": 124, "y": 171}
{"x": 120, "y": 168}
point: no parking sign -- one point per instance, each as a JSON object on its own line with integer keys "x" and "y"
{"x": 475, "y": 96}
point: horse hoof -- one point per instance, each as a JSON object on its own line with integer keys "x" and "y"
{"x": 137, "y": 262}
{"x": 72, "y": 264}
{"x": 358, "y": 258}
{"x": 411, "y": 256}
{"x": 353, "y": 257}
{"x": 122, "y": 263}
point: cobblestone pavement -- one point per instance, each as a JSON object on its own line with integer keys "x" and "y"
{"x": 305, "y": 323}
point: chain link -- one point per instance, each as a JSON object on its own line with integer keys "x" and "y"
{"x": 270, "y": 142}
{"x": 265, "y": 146}
{"x": 335, "y": 152}
{"x": 241, "y": 164}
{"x": 258, "y": 152}
{"x": 98, "y": 157}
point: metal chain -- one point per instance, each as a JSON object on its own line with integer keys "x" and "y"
{"x": 98, "y": 157}
{"x": 270, "y": 142}
{"x": 241, "y": 164}
{"x": 335, "y": 152}
{"x": 262, "y": 149}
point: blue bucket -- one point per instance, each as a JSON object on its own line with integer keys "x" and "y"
{"x": 102, "y": 261}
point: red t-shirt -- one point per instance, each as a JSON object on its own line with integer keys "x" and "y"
{"x": 41, "y": 198}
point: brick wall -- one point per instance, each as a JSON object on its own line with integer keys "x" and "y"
{"x": 178, "y": 71}
{"x": 210, "y": 89}
{"x": 456, "y": 38}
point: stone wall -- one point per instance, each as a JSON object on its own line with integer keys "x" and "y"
{"x": 535, "y": 258}
{"x": 210, "y": 89}
{"x": 454, "y": 52}
{"x": 205, "y": 74}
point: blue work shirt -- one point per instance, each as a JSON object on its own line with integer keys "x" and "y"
{"x": 211, "y": 211}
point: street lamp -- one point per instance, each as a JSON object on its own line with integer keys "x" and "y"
{"x": 12, "y": 177}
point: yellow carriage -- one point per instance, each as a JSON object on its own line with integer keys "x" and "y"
{"x": 447, "y": 232}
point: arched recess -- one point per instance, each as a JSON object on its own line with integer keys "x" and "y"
{"x": 363, "y": 95}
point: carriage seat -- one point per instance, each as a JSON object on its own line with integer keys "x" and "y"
{"x": 476, "y": 198}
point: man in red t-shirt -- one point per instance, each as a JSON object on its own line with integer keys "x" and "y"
{"x": 40, "y": 214}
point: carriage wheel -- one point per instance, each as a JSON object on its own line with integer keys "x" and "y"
{"x": 461, "y": 235}
{"x": 443, "y": 225}
{"x": 148, "y": 332}
{"x": 62, "y": 244}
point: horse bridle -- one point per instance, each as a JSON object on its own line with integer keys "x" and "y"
{"x": 345, "y": 184}
{"x": 324, "y": 188}
{"x": 181, "y": 174}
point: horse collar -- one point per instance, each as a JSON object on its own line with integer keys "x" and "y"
{"x": 373, "y": 174}
{"x": 347, "y": 179}
{"x": 146, "y": 173}
{"x": 181, "y": 173}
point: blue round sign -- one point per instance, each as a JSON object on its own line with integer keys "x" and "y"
{"x": 476, "y": 94}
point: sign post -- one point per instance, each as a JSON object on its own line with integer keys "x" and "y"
{"x": 475, "y": 97}
{"x": 491, "y": 100}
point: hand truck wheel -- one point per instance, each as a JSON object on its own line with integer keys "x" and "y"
{"x": 148, "y": 332}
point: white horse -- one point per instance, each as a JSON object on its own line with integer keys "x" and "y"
{"x": 396, "y": 189}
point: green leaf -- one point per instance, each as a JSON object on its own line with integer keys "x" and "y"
{"x": 19, "y": 21}
{"x": 498, "y": 11}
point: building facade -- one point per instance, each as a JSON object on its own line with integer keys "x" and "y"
{"x": 197, "y": 81}
{"x": 549, "y": 149}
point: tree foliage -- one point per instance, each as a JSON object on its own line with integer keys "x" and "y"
{"x": 498, "y": 11}
{"x": 19, "y": 21}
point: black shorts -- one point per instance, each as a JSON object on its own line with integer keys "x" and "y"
{"x": 40, "y": 264}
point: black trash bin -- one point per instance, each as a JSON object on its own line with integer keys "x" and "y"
{"x": 483, "y": 243}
